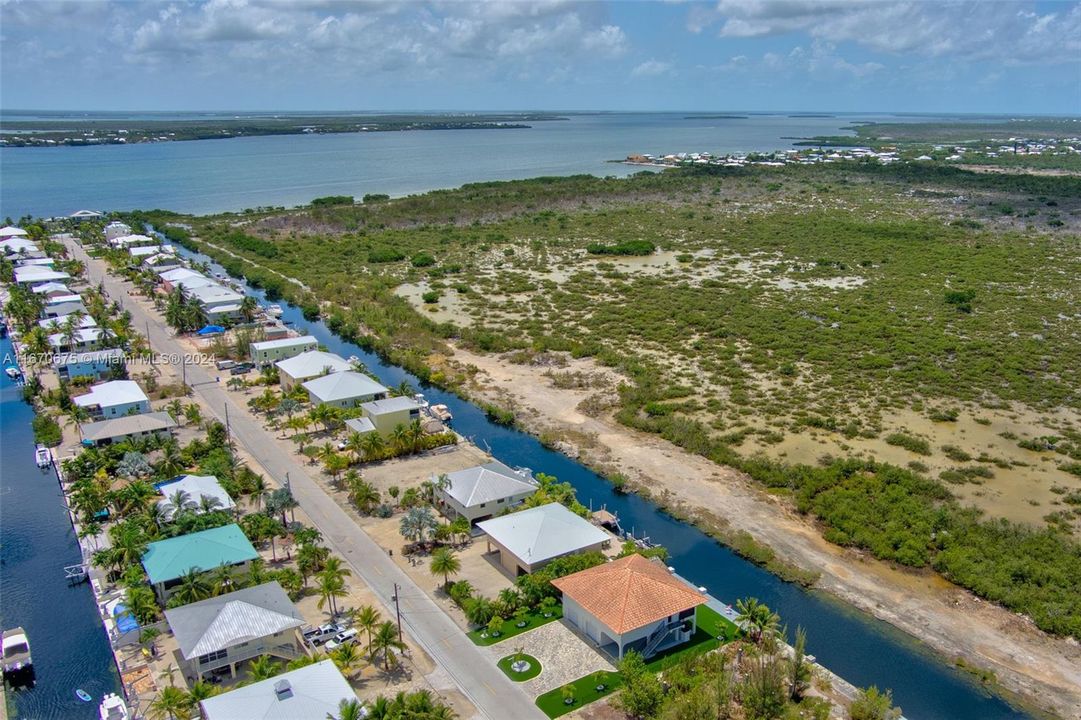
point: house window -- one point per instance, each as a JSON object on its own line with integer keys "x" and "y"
{"x": 500, "y": 500}
{"x": 212, "y": 657}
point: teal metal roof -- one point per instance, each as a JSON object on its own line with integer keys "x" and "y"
{"x": 167, "y": 560}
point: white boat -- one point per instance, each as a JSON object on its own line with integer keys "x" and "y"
{"x": 274, "y": 310}
{"x": 12, "y": 372}
{"x": 441, "y": 412}
{"x": 113, "y": 707}
{"x": 16, "y": 648}
{"x": 419, "y": 399}
{"x": 42, "y": 456}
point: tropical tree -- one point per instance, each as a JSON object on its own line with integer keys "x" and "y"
{"x": 873, "y": 704}
{"x": 400, "y": 438}
{"x": 134, "y": 465}
{"x": 193, "y": 587}
{"x": 799, "y": 670}
{"x": 445, "y": 563}
{"x": 385, "y": 642}
{"x": 222, "y": 580}
{"x": 362, "y": 493}
{"x": 461, "y": 528}
{"x": 181, "y": 502}
{"x": 209, "y": 503}
{"x": 374, "y": 446}
{"x": 249, "y": 308}
{"x": 171, "y": 462}
{"x": 193, "y": 414}
{"x": 417, "y": 524}
{"x": 201, "y": 690}
{"x": 336, "y": 464}
{"x": 171, "y": 703}
{"x": 263, "y": 668}
{"x": 348, "y": 710}
{"x": 347, "y": 658}
{"x": 330, "y": 588}
{"x": 756, "y": 618}
{"x": 367, "y": 619}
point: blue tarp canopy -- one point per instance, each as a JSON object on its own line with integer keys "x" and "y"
{"x": 211, "y": 330}
{"x": 125, "y": 621}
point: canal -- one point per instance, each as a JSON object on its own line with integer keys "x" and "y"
{"x": 859, "y": 648}
{"x": 67, "y": 640}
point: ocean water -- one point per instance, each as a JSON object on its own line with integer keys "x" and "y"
{"x": 207, "y": 176}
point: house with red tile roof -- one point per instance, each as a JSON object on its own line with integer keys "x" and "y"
{"x": 630, "y": 604}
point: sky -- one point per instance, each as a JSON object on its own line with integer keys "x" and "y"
{"x": 937, "y": 56}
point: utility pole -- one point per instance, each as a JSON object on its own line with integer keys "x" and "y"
{"x": 184, "y": 371}
{"x": 398, "y": 612}
{"x": 287, "y": 485}
{"x": 228, "y": 433}
{"x": 148, "y": 344}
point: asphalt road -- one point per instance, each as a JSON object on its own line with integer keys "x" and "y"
{"x": 494, "y": 695}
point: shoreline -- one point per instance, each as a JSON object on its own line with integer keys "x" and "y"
{"x": 1028, "y": 667}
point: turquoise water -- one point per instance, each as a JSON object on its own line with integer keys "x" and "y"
{"x": 205, "y": 176}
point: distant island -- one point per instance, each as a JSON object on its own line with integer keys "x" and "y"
{"x": 715, "y": 117}
{"x": 122, "y": 131}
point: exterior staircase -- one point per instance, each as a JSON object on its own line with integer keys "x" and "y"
{"x": 660, "y": 636}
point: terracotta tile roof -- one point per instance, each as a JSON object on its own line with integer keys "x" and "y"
{"x": 628, "y": 593}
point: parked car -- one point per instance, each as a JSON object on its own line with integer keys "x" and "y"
{"x": 346, "y": 636}
{"x": 318, "y": 636}
{"x": 225, "y": 364}
{"x": 241, "y": 368}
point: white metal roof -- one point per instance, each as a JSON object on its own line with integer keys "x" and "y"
{"x": 308, "y": 693}
{"x": 312, "y": 364}
{"x": 127, "y": 425}
{"x": 222, "y": 622}
{"x": 85, "y": 321}
{"x": 196, "y": 486}
{"x": 179, "y": 274}
{"x": 389, "y": 405}
{"x": 284, "y": 342}
{"x": 38, "y": 273}
{"x": 361, "y": 425}
{"x": 82, "y": 335}
{"x": 543, "y": 533}
{"x": 487, "y": 483}
{"x": 48, "y": 287}
{"x": 344, "y": 385}
{"x": 11, "y": 231}
{"x": 114, "y": 392}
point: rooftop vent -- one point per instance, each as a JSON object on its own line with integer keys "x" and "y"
{"x": 283, "y": 690}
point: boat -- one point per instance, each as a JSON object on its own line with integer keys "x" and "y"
{"x": 83, "y": 695}
{"x": 12, "y": 372}
{"x": 113, "y": 707}
{"x": 441, "y": 412}
{"x": 274, "y": 310}
{"x": 418, "y": 398}
{"x": 16, "y": 648}
{"x": 43, "y": 457}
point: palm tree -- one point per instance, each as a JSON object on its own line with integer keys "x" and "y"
{"x": 367, "y": 619}
{"x": 404, "y": 388}
{"x": 193, "y": 587}
{"x": 335, "y": 464}
{"x": 348, "y": 710}
{"x": 756, "y": 617}
{"x": 288, "y": 406}
{"x": 142, "y": 604}
{"x": 374, "y": 446}
{"x": 415, "y": 433}
{"x": 355, "y": 445}
{"x": 400, "y": 438}
{"x": 171, "y": 463}
{"x": 222, "y": 580}
{"x": 249, "y": 308}
{"x": 461, "y": 527}
{"x": 209, "y": 503}
{"x": 346, "y": 657}
{"x": 155, "y": 517}
{"x": 445, "y": 563}
{"x": 263, "y": 668}
{"x": 235, "y": 383}
{"x": 330, "y": 588}
{"x": 200, "y": 691}
{"x": 172, "y": 703}
{"x": 363, "y": 494}
{"x": 181, "y": 502}
{"x": 416, "y": 524}
{"x": 258, "y": 490}
{"x": 193, "y": 414}
{"x": 386, "y": 641}
{"x": 170, "y": 672}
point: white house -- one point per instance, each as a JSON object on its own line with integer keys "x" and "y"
{"x": 10, "y": 231}
{"x": 389, "y": 413}
{"x": 33, "y": 274}
{"x": 97, "y": 364}
{"x": 126, "y": 241}
{"x": 529, "y": 539}
{"x": 56, "y": 324}
{"x": 197, "y": 487}
{"x": 142, "y": 251}
{"x": 313, "y": 692}
{"x": 114, "y": 399}
{"x": 17, "y": 245}
{"x": 82, "y": 340}
{"x": 116, "y": 229}
{"x": 219, "y": 302}
{"x": 128, "y": 427}
{"x": 308, "y": 365}
{"x": 224, "y": 631}
{"x": 50, "y": 289}
{"x": 269, "y": 352}
{"x": 630, "y": 604}
{"x": 481, "y": 492}
{"x": 346, "y": 389}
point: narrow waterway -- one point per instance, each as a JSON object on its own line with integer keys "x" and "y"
{"x": 859, "y": 648}
{"x": 67, "y": 641}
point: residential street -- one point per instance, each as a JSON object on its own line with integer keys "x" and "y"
{"x": 494, "y": 695}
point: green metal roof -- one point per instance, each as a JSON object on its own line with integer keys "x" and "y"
{"x": 167, "y": 560}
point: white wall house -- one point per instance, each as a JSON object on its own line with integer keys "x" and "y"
{"x": 269, "y": 352}
{"x": 114, "y": 399}
{"x": 481, "y": 492}
{"x": 312, "y": 692}
{"x": 529, "y": 539}
{"x": 630, "y": 604}
{"x": 308, "y": 365}
{"x": 347, "y": 389}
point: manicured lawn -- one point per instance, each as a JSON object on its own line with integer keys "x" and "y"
{"x": 585, "y": 692}
{"x": 510, "y": 628}
{"x": 716, "y": 624}
{"x": 532, "y": 672}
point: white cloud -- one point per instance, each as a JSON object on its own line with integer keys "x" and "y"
{"x": 652, "y": 68}
{"x": 1009, "y": 31}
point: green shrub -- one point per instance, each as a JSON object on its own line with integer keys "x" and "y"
{"x": 385, "y": 255}
{"x": 910, "y": 443}
{"x": 422, "y": 259}
{"x": 626, "y": 247}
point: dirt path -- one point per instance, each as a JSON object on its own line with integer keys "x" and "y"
{"x": 1043, "y": 670}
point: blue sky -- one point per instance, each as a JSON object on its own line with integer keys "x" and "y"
{"x": 832, "y": 55}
